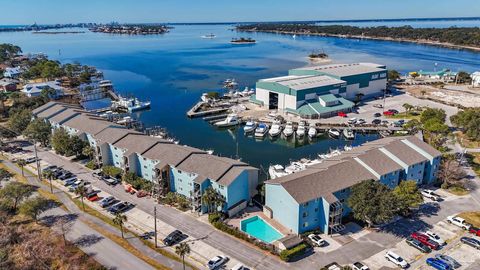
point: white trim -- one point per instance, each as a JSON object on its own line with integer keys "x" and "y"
{"x": 368, "y": 167}
{"x": 418, "y": 149}
{"x": 394, "y": 158}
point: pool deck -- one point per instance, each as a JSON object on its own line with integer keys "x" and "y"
{"x": 255, "y": 211}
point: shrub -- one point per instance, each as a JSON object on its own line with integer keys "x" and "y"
{"x": 289, "y": 254}
{"x": 112, "y": 171}
{"x": 91, "y": 165}
{"x": 214, "y": 217}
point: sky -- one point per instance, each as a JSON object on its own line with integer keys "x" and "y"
{"x": 153, "y": 11}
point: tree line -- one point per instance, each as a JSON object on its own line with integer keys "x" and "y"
{"x": 464, "y": 36}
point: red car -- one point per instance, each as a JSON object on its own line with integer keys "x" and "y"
{"x": 424, "y": 239}
{"x": 342, "y": 114}
{"x": 389, "y": 113}
{"x": 475, "y": 231}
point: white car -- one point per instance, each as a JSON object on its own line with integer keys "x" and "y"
{"x": 435, "y": 237}
{"x": 459, "y": 222}
{"x": 240, "y": 266}
{"x": 352, "y": 120}
{"x": 360, "y": 122}
{"x": 317, "y": 240}
{"x": 216, "y": 262}
{"x": 360, "y": 266}
{"x": 430, "y": 194}
{"x": 396, "y": 259}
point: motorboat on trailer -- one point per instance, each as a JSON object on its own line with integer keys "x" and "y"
{"x": 231, "y": 120}
{"x": 301, "y": 129}
{"x": 312, "y": 131}
{"x": 349, "y": 134}
{"x": 276, "y": 129}
{"x": 334, "y": 133}
{"x": 249, "y": 127}
{"x": 261, "y": 130}
{"x": 288, "y": 130}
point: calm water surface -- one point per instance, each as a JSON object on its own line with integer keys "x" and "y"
{"x": 173, "y": 70}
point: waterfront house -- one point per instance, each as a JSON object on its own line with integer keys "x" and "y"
{"x": 12, "y": 72}
{"x": 173, "y": 168}
{"x": 35, "y": 89}
{"x": 321, "y": 91}
{"x": 316, "y": 198}
{"x": 8, "y": 85}
{"x": 444, "y": 75}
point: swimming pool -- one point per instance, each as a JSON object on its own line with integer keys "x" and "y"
{"x": 258, "y": 228}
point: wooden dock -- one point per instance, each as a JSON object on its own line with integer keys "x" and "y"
{"x": 193, "y": 112}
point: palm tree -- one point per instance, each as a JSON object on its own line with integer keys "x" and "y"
{"x": 81, "y": 191}
{"x": 49, "y": 175}
{"x": 88, "y": 151}
{"x": 181, "y": 250}
{"x": 407, "y": 108}
{"x": 212, "y": 199}
{"x": 119, "y": 220}
{"x": 21, "y": 163}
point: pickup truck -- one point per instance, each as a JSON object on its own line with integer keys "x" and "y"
{"x": 459, "y": 222}
{"x": 430, "y": 194}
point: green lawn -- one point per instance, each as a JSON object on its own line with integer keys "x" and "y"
{"x": 402, "y": 115}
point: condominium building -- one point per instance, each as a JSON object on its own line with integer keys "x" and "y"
{"x": 317, "y": 197}
{"x": 185, "y": 170}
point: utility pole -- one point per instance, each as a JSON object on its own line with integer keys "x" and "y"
{"x": 155, "y": 223}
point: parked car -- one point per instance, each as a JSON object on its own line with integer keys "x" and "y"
{"x": 120, "y": 207}
{"x": 388, "y": 113}
{"x": 65, "y": 175}
{"x": 396, "y": 259}
{"x": 471, "y": 242}
{"x": 437, "y": 264}
{"x": 418, "y": 245}
{"x": 376, "y": 121}
{"x": 360, "y": 266}
{"x": 317, "y": 240}
{"x": 110, "y": 181}
{"x": 459, "y": 222}
{"x": 430, "y": 194}
{"x": 398, "y": 124}
{"x": 93, "y": 195}
{"x": 474, "y": 231}
{"x": 448, "y": 260}
{"x": 97, "y": 175}
{"x": 385, "y": 122}
{"x": 30, "y": 160}
{"x": 352, "y": 120}
{"x": 435, "y": 237}
{"x": 424, "y": 239}
{"x": 105, "y": 202}
{"x": 393, "y": 111}
{"x": 380, "y": 106}
{"x": 147, "y": 235}
{"x": 240, "y": 266}
{"x": 142, "y": 193}
{"x": 342, "y": 114}
{"x": 70, "y": 181}
{"x": 174, "y": 237}
{"x": 49, "y": 168}
{"x": 377, "y": 114}
{"x": 216, "y": 262}
{"x": 360, "y": 122}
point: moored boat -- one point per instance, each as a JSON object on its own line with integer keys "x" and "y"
{"x": 301, "y": 129}
{"x": 276, "y": 129}
{"x": 348, "y": 134}
{"x": 231, "y": 120}
{"x": 249, "y": 127}
{"x": 334, "y": 133}
{"x": 261, "y": 130}
{"x": 276, "y": 171}
{"x": 312, "y": 131}
{"x": 288, "y": 131}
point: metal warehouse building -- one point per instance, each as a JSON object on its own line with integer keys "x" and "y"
{"x": 321, "y": 91}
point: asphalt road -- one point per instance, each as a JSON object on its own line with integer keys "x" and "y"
{"x": 104, "y": 250}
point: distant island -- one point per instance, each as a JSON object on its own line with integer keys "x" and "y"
{"x": 453, "y": 37}
{"x": 37, "y": 27}
{"x": 243, "y": 41}
{"x": 139, "y": 29}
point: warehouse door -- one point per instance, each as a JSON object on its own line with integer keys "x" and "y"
{"x": 273, "y": 101}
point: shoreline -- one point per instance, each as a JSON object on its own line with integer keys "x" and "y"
{"x": 419, "y": 41}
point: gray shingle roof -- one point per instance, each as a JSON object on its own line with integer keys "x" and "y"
{"x": 404, "y": 153}
{"x": 113, "y": 133}
{"x": 424, "y": 146}
{"x": 170, "y": 154}
{"x": 137, "y": 143}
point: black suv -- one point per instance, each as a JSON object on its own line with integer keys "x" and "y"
{"x": 418, "y": 245}
{"x": 120, "y": 207}
{"x": 174, "y": 237}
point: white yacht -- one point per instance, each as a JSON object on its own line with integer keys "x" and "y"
{"x": 276, "y": 171}
{"x": 312, "y": 131}
{"x": 334, "y": 133}
{"x": 276, "y": 129}
{"x": 231, "y": 120}
{"x": 294, "y": 167}
{"x": 348, "y": 134}
{"x": 288, "y": 131}
{"x": 249, "y": 127}
{"x": 131, "y": 104}
{"x": 301, "y": 129}
{"x": 261, "y": 130}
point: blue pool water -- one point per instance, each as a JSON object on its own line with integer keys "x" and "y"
{"x": 258, "y": 228}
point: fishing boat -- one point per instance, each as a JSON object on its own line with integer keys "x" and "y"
{"x": 209, "y": 36}
{"x": 301, "y": 129}
{"x": 348, "y": 134}
{"x": 334, "y": 133}
{"x": 231, "y": 120}
{"x": 276, "y": 171}
{"x": 276, "y": 129}
{"x": 312, "y": 131}
{"x": 261, "y": 130}
{"x": 249, "y": 127}
{"x": 230, "y": 83}
{"x": 247, "y": 92}
{"x": 288, "y": 131}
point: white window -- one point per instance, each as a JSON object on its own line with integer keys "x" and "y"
{"x": 305, "y": 214}
{"x": 305, "y": 224}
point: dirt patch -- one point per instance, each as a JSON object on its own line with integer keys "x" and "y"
{"x": 451, "y": 97}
